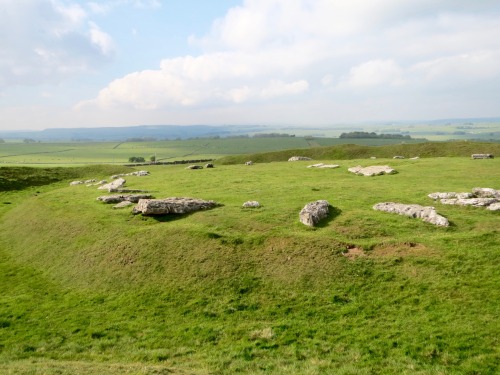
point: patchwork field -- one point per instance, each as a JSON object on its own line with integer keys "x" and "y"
{"x": 86, "y": 288}
{"x": 77, "y": 153}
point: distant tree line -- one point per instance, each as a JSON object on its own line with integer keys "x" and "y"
{"x": 273, "y": 135}
{"x": 141, "y": 139}
{"x": 373, "y": 135}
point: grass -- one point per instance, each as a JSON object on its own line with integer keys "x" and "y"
{"x": 77, "y": 153}
{"x": 88, "y": 289}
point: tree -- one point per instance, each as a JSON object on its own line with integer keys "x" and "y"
{"x": 136, "y": 159}
{"x": 152, "y": 158}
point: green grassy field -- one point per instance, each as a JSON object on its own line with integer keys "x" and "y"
{"x": 77, "y": 153}
{"x": 88, "y": 289}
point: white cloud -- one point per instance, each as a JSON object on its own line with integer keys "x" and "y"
{"x": 46, "y": 41}
{"x": 265, "y": 50}
{"x": 373, "y": 73}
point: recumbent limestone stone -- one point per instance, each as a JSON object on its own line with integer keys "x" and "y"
{"x": 172, "y": 205}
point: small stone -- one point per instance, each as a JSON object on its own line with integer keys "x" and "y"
{"x": 251, "y": 204}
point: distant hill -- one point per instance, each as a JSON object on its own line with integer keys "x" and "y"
{"x": 146, "y": 132}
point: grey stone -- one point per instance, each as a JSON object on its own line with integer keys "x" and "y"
{"x": 482, "y": 156}
{"x": 321, "y": 165}
{"x": 494, "y": 207}
{"x": 374, "y": 170}
{"x": 113, "y": 185}
{"x": 194, "y": 167}
{"x": 314, "y": 212}
{"x": 426, "y": 213}
{"x": 122, "y": 198}
{"x": 209, "y": 165}
{"x": 172, "y": 205}
{"x": 486, "y": 192}
{"x": 249, "y": 162}
{"x": 74, "y": 183}
{"x": 251, "y": 204}
{"x": 299, "y": 158}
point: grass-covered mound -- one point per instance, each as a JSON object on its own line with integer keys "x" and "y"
{"x": 356, "y": 151}
{"x": 17, "y": 178}
{"x": 88, "y": 289}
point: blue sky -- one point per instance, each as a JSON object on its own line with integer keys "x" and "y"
{"x": 66, "y": 63}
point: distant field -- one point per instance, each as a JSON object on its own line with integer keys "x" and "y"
{"x": 119, "y": 153}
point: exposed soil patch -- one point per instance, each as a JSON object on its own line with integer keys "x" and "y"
{"x": 390, "y": 250}
{"x": 353, "y": 253}
{"x": 401, "y": 249}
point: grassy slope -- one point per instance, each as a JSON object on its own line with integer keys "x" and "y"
{"x": 352, "y": 151}
{"x": 232, "y": 290}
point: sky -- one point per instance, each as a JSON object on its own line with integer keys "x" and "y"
{"x": 68, "y": 63}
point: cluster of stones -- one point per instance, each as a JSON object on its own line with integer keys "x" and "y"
{"x": 426, "y": 213}
{"x": 137, "y": 173}
{"x": 479, "y": 197}
{"x": 374, "y": 170}
{"x": 123, "y": 201}
{"x": 92, "y": 182}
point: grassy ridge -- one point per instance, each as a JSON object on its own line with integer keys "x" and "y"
{"x": 352, "y": 151}
{"x": 16, "y": 178}
{"x": 254, "y": 291}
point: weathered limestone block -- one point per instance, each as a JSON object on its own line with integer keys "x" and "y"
{"x": 476, "y": 202}
{"x": 494, "y": 207}
{"x": 450, "y": 195}
{"x": 251, "y": 204}
{"x": 134, "y": 198}
{"x": 322, "y": 165}
{"x": 398, "y": 157}
{"x": 74, "y": 183}
{"x": 482, "y": 156}
{"x": 374, "y": 170}
{"x": 249, "y": 162}
{"x": 299, "y": 158}
{"x": 314, "y": 212}
{"x": 173, "y": 205}
{"x": 194, "y": 167}
{"x": 426, "y": 213}
{"x": 113, "y": 185}
{"x": 209, "y": 165}
{"x": 486, "y": 192}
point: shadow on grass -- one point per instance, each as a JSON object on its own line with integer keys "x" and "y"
{"x": 333, "y": 213}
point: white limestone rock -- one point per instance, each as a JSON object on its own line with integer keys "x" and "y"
{"x": 314, "y": 212}
{"x": 426, "y": 213}
{"x": 374, "y": 170}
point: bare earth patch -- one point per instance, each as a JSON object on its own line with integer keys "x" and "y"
{"x": 401, "y": 249}
{"x": 353, "y": 253}
{"x": 390, "y": 250}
